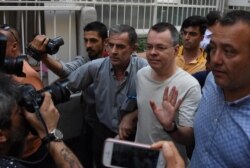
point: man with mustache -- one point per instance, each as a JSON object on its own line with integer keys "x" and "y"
{"x": 95, "y": 37}
{"x": 14, "y": 50}
{"x": 190, "y": 56}
{"x": 113, "y": 79}
{"x": 221, "y": 125}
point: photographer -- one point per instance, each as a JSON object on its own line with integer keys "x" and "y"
{"x": 14, "y": 121}
{"x": 13, "y": 50}
{"x": 95, "y": 38}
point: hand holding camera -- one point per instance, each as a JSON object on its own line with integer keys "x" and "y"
{"x": 32, "y": 99}
{"x": 40, "y": 46}
{"x": 49, "y": 113}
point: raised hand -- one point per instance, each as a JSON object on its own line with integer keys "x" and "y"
{"x": 166, "y": 113}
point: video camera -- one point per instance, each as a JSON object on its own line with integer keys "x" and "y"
{"x": 10, "y": 65}
{"x": 51, "y": 48}
{"x": 32, "y": 99}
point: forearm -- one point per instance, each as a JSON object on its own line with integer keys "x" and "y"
{"x": 184, "y": 135}
{"x": 54, "y": 65}
{"x": 63, "y": 156}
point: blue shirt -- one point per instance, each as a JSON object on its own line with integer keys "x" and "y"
{"x": 69, "y": 67}
{"x": 222, "y": 130}
{"x": 109, "y": 93}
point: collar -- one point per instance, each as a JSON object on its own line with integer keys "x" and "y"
{"x": 243, "y": 100}
{"x": 128, "y": 69}
{"x": 198, "y": 59}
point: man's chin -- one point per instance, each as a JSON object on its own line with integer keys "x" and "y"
{"x": 92, "y": 57}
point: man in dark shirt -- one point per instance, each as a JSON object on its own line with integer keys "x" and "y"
{"x": 14, "y": 128}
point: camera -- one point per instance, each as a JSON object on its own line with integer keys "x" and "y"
{"x": 10, "y": 65}
{"x": 32, "y": 99}
{"x": 51, "y": 48}
{"x": 54, "y": 45}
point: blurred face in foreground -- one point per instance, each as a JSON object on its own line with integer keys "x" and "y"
{"x": 230, "y": 58}
{"x": 16, "y": 134}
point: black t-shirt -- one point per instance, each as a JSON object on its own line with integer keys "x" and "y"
{"x": 10, "y": 163}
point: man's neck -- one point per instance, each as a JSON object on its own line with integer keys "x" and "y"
{"x": 191, "y": 54}
{"x": 163, "y": 75}
{"x": 120, "y": 71}
{"x": 236, "y": 94}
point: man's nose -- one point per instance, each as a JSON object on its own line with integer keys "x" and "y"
{"x": 216, "y": 56}
{"x": 114, "y": 49}
{"x": 88, "y": 44}
{"x": 186, "y": 36}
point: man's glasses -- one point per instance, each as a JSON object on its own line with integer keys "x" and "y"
{"x": 6, "y": 27}
{"x": 159, "y": 48}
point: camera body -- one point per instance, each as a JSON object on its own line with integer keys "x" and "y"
{"x": 51, "y": 48}
{"x": 10, "y": 65}
{"x": 54, "y": 45}
{"x": 32, "y": 99}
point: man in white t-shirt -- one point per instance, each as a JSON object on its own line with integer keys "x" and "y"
{"x": 162, "y": 47}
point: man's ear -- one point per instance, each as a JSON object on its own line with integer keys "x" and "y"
{"x": 135, "y": 47}
{"x": 176, "y": 49}
{"x": 3, "y": 138}
{"x": 14, "y": 46}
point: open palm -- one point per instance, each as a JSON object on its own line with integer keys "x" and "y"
{"x": 166, "y": 113}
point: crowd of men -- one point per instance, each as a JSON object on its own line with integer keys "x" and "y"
{"x": 158, "y": 100}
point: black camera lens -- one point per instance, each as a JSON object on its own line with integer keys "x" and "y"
{"x": 14, "y": 65}
{"x": 32, "y": 98}
{"x": 51, "y": 48}
{"x": 3, "y": 42}
{"x": 10, "y": 65}
{"x": 54, "y": 45}
{"x": 59, "y": 91}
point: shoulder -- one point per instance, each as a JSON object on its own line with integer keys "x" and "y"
{"x": 99, "y": 61}
{"x": 180, "y": 51}
{"x": 210, "y": 85}
{"x": 144, "y": 70}
{"x": 185, "y": 76}
{"x": 96, "y": 63}
{"x": 81, "y": 59}
{"x": 100, "y": 64}
{"x": 139, "y": 61}
{"x": 186, "y": 82}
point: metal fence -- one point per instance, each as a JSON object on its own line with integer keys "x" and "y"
{"x": 141, "y": 14}
{"x": 31, "y": 16}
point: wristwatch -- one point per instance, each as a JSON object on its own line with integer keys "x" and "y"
{"x": 173, "y": 129}
{"x": 55, "y": 135}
